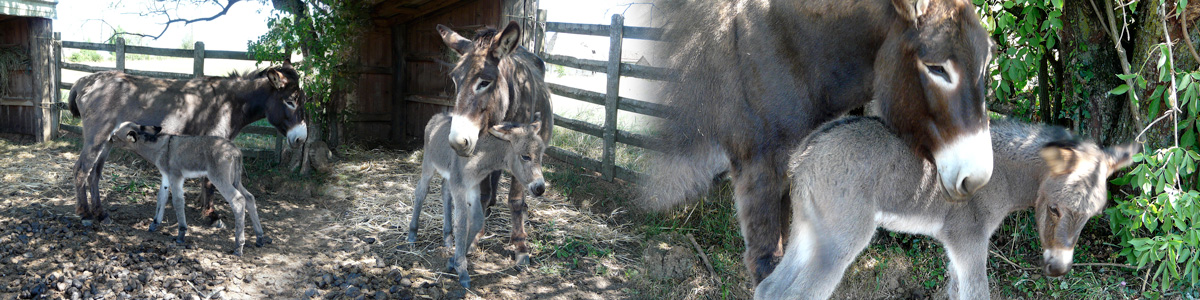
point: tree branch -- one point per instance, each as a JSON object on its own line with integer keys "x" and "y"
{"x": 163, "y": 11}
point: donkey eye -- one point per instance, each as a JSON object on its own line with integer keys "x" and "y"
{"x": 1054, "y": 211}
{"x": 483, "y": 84}
{"x": 526, "y": 158}
{"x": 938, "y": 70}
{"x": 291, "y": 104}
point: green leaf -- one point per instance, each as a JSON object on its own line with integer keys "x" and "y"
{"x": 1120, "y": 90}
{"x": 1058, "y": 4}
{"x": 1126, "y": 76}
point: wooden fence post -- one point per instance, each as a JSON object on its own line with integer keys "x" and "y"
{"x": 57, "y": 81}
{"x": 611, "y": 95}
{"x": 198, "y": 63}
{"x": 540, "y": 32}
{"x": 120, "y": 54}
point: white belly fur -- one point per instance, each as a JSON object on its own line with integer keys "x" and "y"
{"x": 908, "y": 224}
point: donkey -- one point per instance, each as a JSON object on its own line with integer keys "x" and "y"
{"x": 209, "y": 106}
{"x": 513, "y": 147}
{"x": 754, "y": 77}
{"x": 496, "y": 80}
{"x": 181, "y": 157}
{"x": 884, "y": 185}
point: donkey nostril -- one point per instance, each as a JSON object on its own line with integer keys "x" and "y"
{"x": 970, "y": 184}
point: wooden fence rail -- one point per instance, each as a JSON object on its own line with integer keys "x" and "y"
{"x": 198, "y": 54}
{"x": 610, "y": 99}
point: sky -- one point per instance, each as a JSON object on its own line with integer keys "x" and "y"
{"x": 92, "y": 20}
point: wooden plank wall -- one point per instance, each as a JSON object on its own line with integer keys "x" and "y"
{"x": 17, "y": 113}
{"x": 404, "y": 77}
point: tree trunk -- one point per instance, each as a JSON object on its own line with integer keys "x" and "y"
{"x": 1091, "y": 60}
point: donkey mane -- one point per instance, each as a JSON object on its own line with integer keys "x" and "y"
{"x": 290, "y": 73}
{"x": 484, "y": 38}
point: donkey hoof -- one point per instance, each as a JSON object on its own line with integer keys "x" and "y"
{"x": 237, "y": 252}
{"x": 412, "y": 237}
{"x": 217, "y": 224}
{"x": 153, "y": 227}
{"x": 465, "y": 282}
{"x": 263, "y": 240}
{"x": 180, "y": 241}
{"x": 87, "y": 222}
{"x": 522, "y": 259}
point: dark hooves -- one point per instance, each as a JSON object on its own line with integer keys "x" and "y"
{"x": 237, "y": 252}
{"x": 522, "y": 259}
{"x": 261, "y": 241}
{"x": 86, "y": 222}
{"x": 153, "y": 227}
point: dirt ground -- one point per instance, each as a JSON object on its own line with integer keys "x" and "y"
{"x": 341, "y": 236}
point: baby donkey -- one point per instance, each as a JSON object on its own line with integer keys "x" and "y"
{"x": 512, "y": 147}
{"x": 182, "y": 157}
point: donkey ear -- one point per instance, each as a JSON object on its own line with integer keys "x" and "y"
{"x": 536, "y": 123}
{"x": 507, "y": 41}
{"x": 503, "y": 131}
{"x": 278, "y": 79}
{"x": 1060, "y": 156}
{"x": 1120, "y": 156}
{"x": 456, "y": 42}
{"x": 911, "y": 10}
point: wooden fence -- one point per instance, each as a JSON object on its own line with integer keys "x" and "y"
{"x": 120, "y": 49}
{"x": 611, "y": 99}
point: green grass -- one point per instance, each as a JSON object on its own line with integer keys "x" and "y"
{"x": 629, "y": 157}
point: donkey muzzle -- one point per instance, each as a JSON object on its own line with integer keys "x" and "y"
{"x": 463, "y": 135}
{"x": 298, "y": 134}
{"x": 1058, "y": 261}
{"x": 965, "y": 164}
{"x": 538, "y": 187}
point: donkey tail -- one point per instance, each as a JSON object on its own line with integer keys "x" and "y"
{"x": 677, "y": 176}
{"x": 72, "y": 103}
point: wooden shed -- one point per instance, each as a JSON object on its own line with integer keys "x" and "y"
{"x": 27, "y": 82}
{"x": 404, "y": 78}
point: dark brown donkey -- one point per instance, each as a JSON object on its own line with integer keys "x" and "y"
{"x": 204, "y": 106}
{"x": 497, "y": 81}
{"x": 756, "y": 76}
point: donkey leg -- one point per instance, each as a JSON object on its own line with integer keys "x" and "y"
{"x": 759, "y": 186}
{"x": 237, "y": 206}
{"x": 817, "y": 256}
{"x": 470, "y": 220}
{"x": 967, "y": 269}
{"x": 163, "y": 193}
{"x": 208, "y": 210}
{"x": 448, "y": 225}
{"x": 83, "y": 169}
{"x": 488, "y": 189}
{"x": 177, "y": 202}
{"x": 516, "y": 202}
{"x": 419, "y": 194}
{"x": 260, "y": 237}
{"x": 97, "y": 207}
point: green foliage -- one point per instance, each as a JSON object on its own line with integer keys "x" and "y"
{"x": 85, "y": 56}
{"x": 1158, "y": 226}
{"x": 329, "y": 33}
{"x": 1025, "y": 32}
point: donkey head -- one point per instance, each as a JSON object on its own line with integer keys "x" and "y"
{"x": 933, "y": 67}
{"x": 1072, "y": 191}
{"x": 524, "y": 157}
{"x": 481, "y": 97}
{"x": 130, "y": 132}
{"x": 285, "y": 103}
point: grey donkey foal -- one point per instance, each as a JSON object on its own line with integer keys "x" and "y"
{"x": 181, "y": 157}
{"x": 513, "y": 147}
{"x": 854, "y": 175}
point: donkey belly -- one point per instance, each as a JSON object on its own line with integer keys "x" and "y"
{"x": 925, "y": 224}
{"x": 189, "y": 174}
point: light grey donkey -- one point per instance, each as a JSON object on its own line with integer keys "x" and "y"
{"x": 513, "y": 147}
{"x": 854, "y": 175}
{"x": 182, "y": 157}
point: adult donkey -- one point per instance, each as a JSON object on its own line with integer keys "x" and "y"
{"x": 854, "y": 175}
{"x": 496, "y": 80}
{"x": 211, "y": 106}
{"x": 756, "y": 76}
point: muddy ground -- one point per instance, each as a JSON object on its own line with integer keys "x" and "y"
{"x": 341, "y": 236}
